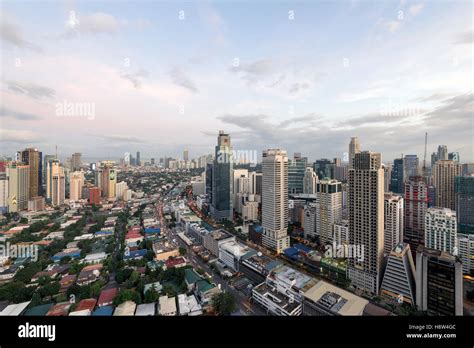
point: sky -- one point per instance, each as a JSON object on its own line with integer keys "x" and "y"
{"x": 107, "y": 77}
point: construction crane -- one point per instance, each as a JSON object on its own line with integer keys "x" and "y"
{"x": 424, "y": 157}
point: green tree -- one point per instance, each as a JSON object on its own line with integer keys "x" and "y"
{"x": 127, "y": 295}
{"x": 223, "y": 303}
{"x": 152, "y": 295}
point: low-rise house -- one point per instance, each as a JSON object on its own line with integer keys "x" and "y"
{"x": 106, "y": 297}
{"x": 89, "y": 274}
{"x": 39, "y": 311}
{"x": 60, "y": 309}
{"x": 188, "y": 305}
{"x": 73, "y": 253}
{"x": 15, "y": 309}
{"x": 146, "y": 309}
{"x": 167, "y": 306}
{"x": 95, "y": 257}
{"x": 104, "y": 311}
{"x": 85, "y": 307}
{"x": 125, "y": 309}
{"x": 66, "y": 282}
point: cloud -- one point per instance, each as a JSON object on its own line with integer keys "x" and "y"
{"x": 18, "y": 136}
{"x": 465, "y": 38}
{"x": 277, "y": 81}
{"x": 20, "y": 116}
{"x": 30, "y": 89}
{"x": 214, "y": 21}
{"x": 296, "y": 87}
{"x": 254, "y": 71}
{"x": 136, "y": 78}
{"x": 435, "y": 97}
{"x": 11, "y": 33}
{"x": 179, "y": 78}
{"x": 390, "y": 25}
{"x": 358, "y": 96}
{"x": 455, "y": 111}
{"x": 120, "y": 138}
{"x": 95, "y": 23}
{"x": 414, "y": 10}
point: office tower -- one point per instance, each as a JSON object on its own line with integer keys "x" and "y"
{"x": 209, "y": 168}
{"x": 444, "y": 173}
{"x": 76, "y": 182}
{"x": 464, "y": 199}
{"x": 309, "y": 220}
{"x": 441, "y": 230}
{"x": 340, "y": 170}
{"x": 454, "y": 156}
{"x": 397, "y": 177}
{"x": 438, "y": 282}
{"x": 34, "y": 159}
{"x": 126, "y": 158}
{"x": 58, "y": 184}
{"x": 354, "y": 147}
{"x": 411, "y": 164}
{"x": 442, "y": 154}
{"x": 309, "y": 181}
{"x": 94, "y": 195}
{"x": 138, "y": 161}
{"x": 466, "y": 252}
{"x": 323, "y": 168}
{"x": 434, "y": 159}
{"x": 275, "y": 199}
{"x": 398, "y": 283}
{"x": 393, "y": 221}
{"x": 256, "y": 183}
{"x": 186, "y": 155}
{"x": 329, "y": 208}
{"x": 121, "y": 188}
{"x": 467, "y": 169}
{"x": 46, "y": 160}
{"x": 296, "y": 170}
{"x": 54, "y": 168}
{"x": 222, "y": 179}
{"x": 366, "y": 220}
{"x": 237, "y": 174}
{"x": 18, "y": 176}
{"x": 387, "y": 177}
{"x": 416, "y": 204}
{"x": 341, "y": 232}
{"x": 76, "y": 162}
{"x": 3, "y": 192}
{"x": 107, "y": 179}
{"x": 152, "y": 161}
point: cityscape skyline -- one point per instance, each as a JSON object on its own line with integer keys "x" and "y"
{"x": 367, "y": 76}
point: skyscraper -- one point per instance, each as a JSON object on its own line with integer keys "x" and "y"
{"x": 444, "y": 173}
{"x": 393, "y": 221}
{"x": 138, "y": 162}
{"x": 18, "y": 176}
{"x": 107, "y": 179}
{"x": 186, "y": 155}
{"x": 58, "y": 185}
{"x": 329, "y": 208}
{"x": 464, "y": 194}
{"x": 398, "y": 176}
{"x": 438, "y": 282}
{"x": 441, "y": 230}
{"x": 222, "y": 179}
{"x": 366, "y": 220}
{"x": 275, "y": 199}
{"x": 309, "y": 181}
{"x": 466, "y": 252}
{"x": 411, "y": 166}
{"x": 76, "y": 162}
{"x": 323, "y": 168}
{"x": 296, "y": 170}
{"x": 442, "y": 154}
{"x": 416, "y": 204}
{"x": 34, "y": 159}
{"x": 76, "y": 182}
{"x": 209, "y": 169}
{"x": 387, "y": 176}
{"x": 53, "y": 169}
{"x": 354, "y": 147}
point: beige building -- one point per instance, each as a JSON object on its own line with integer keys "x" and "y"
{"x": 76, "y": 183}
{"x": 275, "y": 200}
{"x": 18, "y": 176}
{"x": 444, "y": 172}
{"x": 328, "y": 208}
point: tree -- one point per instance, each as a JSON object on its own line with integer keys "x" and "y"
{"x": 182, "y": 251}
{"x": 152, "y": 295}
{"x": 127, "y": 295}
{"x": 223, "y": 303}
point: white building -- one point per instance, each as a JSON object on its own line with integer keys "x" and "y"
{"x": 76, "y": 182}
{"x": 441, "y": 229}
{"x": 393, "y": 221}
{"x": 328, "y": 208}
{"x": 466, "y": 251}
{"x": 275, "y": 200}
{"x": 341, "y": 232}
{"x": 231, "y": 252}
{"x": 309, "y": 181}
{"x": 120, "y": 190}
{"x": 250, "y": 211}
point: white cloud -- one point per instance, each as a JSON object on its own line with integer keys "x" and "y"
{"x": 414, "y": 10}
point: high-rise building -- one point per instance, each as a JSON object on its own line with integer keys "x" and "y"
{"x": 222, "y": 179}
{"x": 329, "y": 208}
{"x": 275, "y": 199}
{"x": 398, "y": 282}
{"x": 54, "y": 169}
{"x": 387, "y": 176}
{"x": 444, "y": 173}
{"x": 209, "y": 169}
{"x": 186, "y": 155}
{"x": 454, "y": 156}
{"x": 466, "y": 252}
{"x": 439, "y": 288}
{"x": 34, "y": 159}
{"x": 341, "y": 232}
{"x": 58, "y": 184}
{"x": 366, "y": 220}
{"x": 464, "y": 194}
{"x": 442, "y": 154}
{"x": 18, "y": 176}
{"x": 76, "y": 182}
{"x": 411, "y": 164}
{"x": 467, "y": 169}
{"x": 107, "y": 179}
{"x": 393, "y": 221}
{"x": 255, "y": 183}
{"x": 238, "y": 176}
{"x": 398, "y": 176}
{"x": 3, "y": 192}
{"x": 296, "y": 171}
{"x": 46, "y": 160}
{"x": 441, "y": 230}
{"x": 76, "y": 162}
{"x": 138, "y": 161}
{"x": 121, "y": 188}
{"x": 323, "y": 168}
{"x": 310, "y": 180}
{"x": 94, "y": 195}
{"x": 416, "y": 204}
{"x": 354, "y": 147}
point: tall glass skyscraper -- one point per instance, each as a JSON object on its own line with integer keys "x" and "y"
{"x": 397, "y": 177}
{"x": 222, "y": 179}
{"x": 296, "y": 169}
